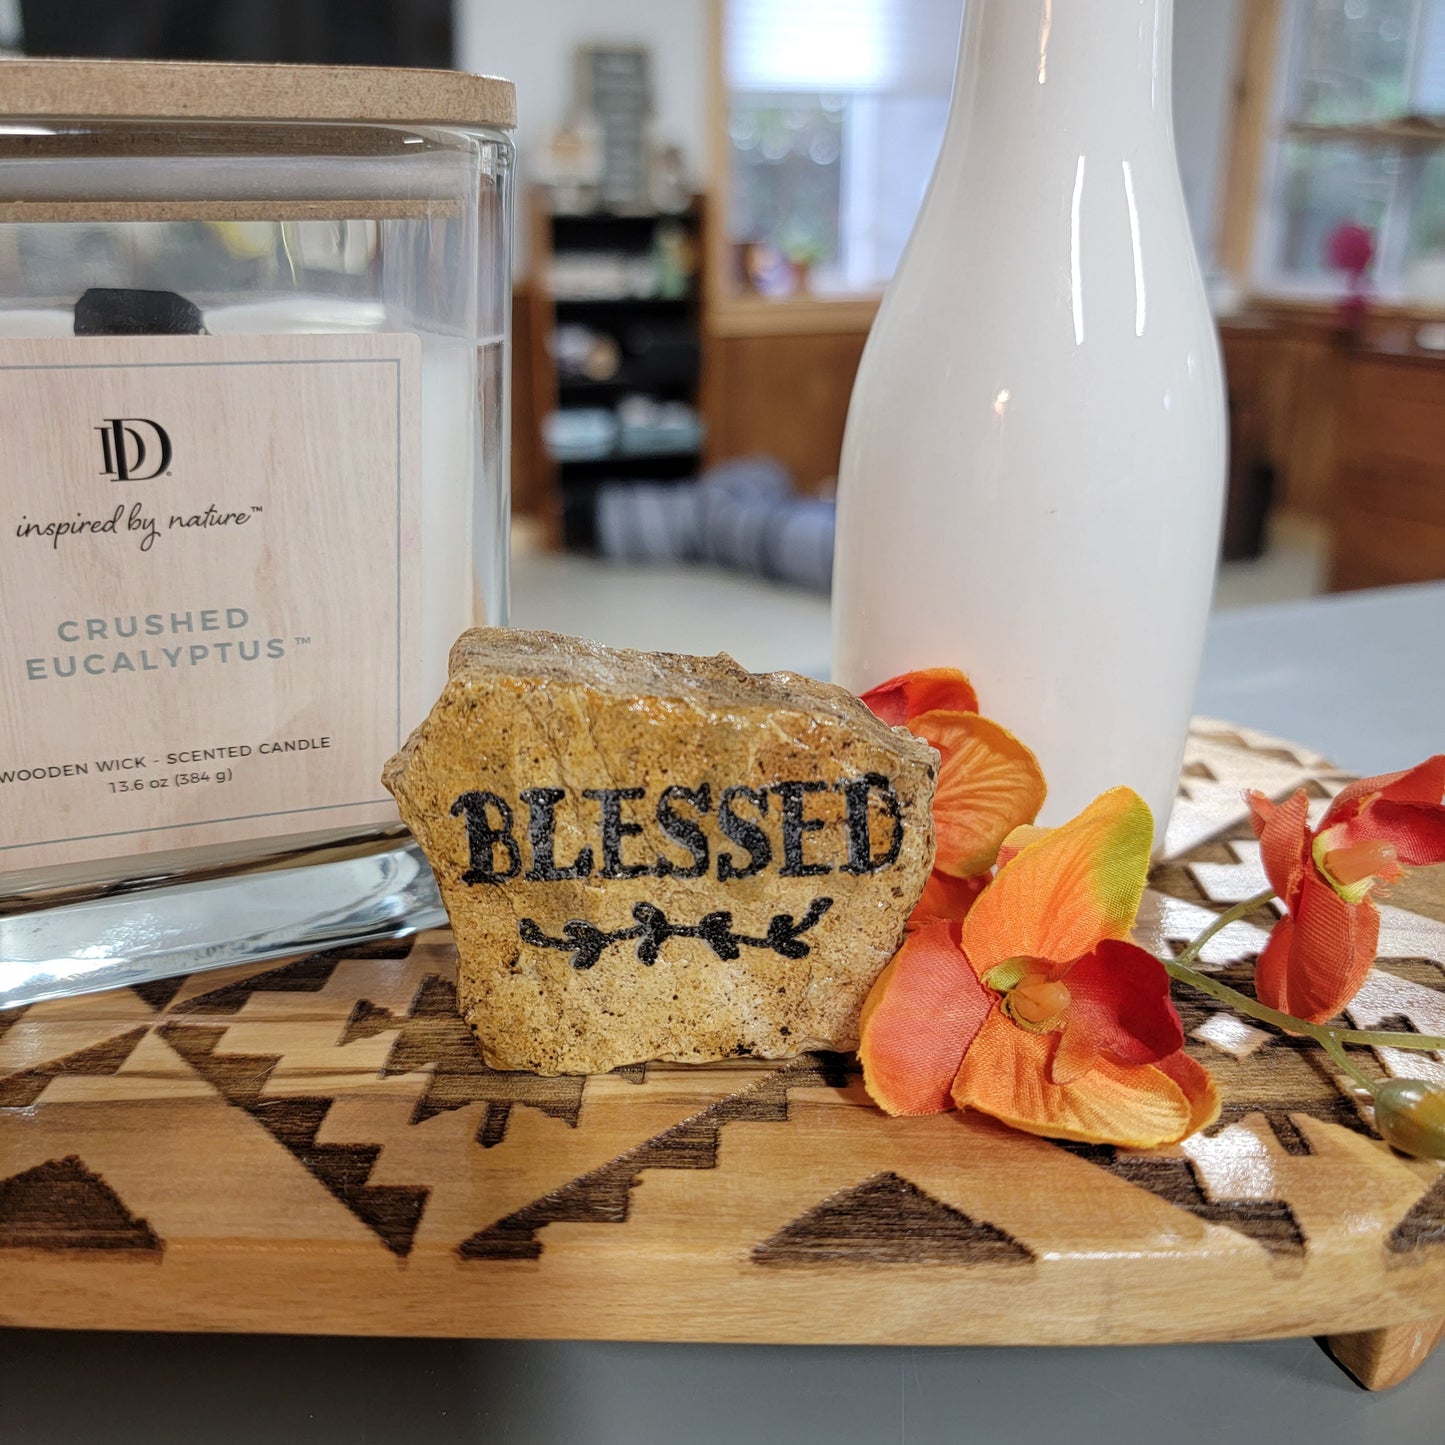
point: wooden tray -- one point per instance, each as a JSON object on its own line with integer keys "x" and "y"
{"x": 317, "y": 1146}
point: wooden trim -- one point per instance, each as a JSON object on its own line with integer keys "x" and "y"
{"x": 372, "y": 209}
{"x": 1404, "y": 133}
{"x": 203, "y": 90}
{"x": 713, "y": 381}
{"x": 719, "y": 161}
{"x": 1327, "y": 308}
{"x": 1256, "y": 63}
{"x": 795, "y": 316}
{"x": 542, "y": 315}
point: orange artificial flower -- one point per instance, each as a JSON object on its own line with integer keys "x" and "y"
{"x": 1036, "y": 1008}
{"x": 1319, "y": 953}
{"x": 927, "y": 690}
{"x": 944, "y": 898}
{"x": 988, "y": 781}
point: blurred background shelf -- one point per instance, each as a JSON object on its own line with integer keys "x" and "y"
{"x": 611, "y": 337}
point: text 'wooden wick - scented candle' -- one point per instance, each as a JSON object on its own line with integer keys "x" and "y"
{"x": 253, "y": 375}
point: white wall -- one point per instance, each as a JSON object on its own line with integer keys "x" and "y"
{"x": 532, "y": 43}
{"x": 1205, "y": 36}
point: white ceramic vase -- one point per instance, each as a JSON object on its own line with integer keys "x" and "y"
{"x": 1033, "y": 467}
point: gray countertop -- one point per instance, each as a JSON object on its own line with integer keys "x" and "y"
{"x": 209, "y": 1390}
{"x": 1359, "y": 677}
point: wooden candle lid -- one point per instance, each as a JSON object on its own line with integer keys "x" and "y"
{"x": 203, "y": 90}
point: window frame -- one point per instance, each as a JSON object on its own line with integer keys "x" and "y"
{"x": 1271, "y": 49}
{"x": 733, "y": 311}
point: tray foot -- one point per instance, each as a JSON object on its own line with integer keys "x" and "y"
{"x": 1381, "y": 1358}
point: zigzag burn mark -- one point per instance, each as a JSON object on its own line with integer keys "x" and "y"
{"x": 433, "y": 1035}
{"x": 1270, "y": 1223}
{"x": 604, "y": 1195}
{"x": 391, "y": 1211}
{"x": 303, "y": 975}
{"x": 20, "y": 1090}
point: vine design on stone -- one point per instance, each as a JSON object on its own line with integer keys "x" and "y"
{"x": 587, "y": 943}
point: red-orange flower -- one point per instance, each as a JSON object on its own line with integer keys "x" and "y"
{"x": 927, "y": 690}
{"x": 1035, "y": 1008}
{"x": 988, "y": 781}
{"x": 1319, "y": 953}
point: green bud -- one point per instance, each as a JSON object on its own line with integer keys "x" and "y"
{"x": 1410, "y": 1115}
{"x": 1008, "y": 974}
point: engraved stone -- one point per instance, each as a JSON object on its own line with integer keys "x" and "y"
{"x": 649, "y": 856}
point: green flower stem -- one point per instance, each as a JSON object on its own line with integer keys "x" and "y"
{"x": 1231, "y": 915}
{"x": 1401, "y": 1118}
{"x": 1386, "y": 1039}
{"x": 1236, "y": 1000}
{"x": 1331, "y": 1040}
{"x": 1336, "y": 1051}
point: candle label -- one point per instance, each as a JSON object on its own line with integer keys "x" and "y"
{"x": 208, "y": 587}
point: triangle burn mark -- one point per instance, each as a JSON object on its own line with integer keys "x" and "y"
{"x": 888, "y": 1220}
{"x": 61, "y": 1204}
{"x": 158, "y": 992}
{"x": 1424, "y": 1224}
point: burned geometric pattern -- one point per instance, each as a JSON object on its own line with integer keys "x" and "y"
{"x": 331, "y": 1118}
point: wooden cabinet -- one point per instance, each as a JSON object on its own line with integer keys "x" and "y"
{"x": 784, "y": 396}
{"x": 779, "y": 377}
{"x": 1284, "y": 376}
{"x": 1354, "y": 432}
{"x": 1388, "y": 496}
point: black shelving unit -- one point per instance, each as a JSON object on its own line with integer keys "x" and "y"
{"x": 658, "y": 338}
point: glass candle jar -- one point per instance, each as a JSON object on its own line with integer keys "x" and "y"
{"x": 253, "y": 380}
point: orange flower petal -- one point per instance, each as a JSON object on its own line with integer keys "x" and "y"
{"x": 1198, "y": 1086}
{"x": 1018, "y": 840}
{"x": 1271, "y": 968}
{"x": 946, "y": 898}
{"x": 1318, "y": 956}
{"x": 1006, "y": 1074}
{"x": 1283, "y": 831}
{"x": 1416, "y": 831}
{"x": 1075, "y": 1054}
{"x": 1424, "y": 783}
{"x": 1077, "y": 885}
{"x": 918, "y": 1021}
{"x": 1402, "y": 809}
{"x": 926, "y": 690}
{"x": 988, "y": 784}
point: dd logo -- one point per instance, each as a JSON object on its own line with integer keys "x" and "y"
{"x": 128, "y": 443}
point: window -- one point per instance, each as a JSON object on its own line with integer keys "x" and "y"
{"x": 836, "y": 114}
{"x": 1361, "y": 138}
